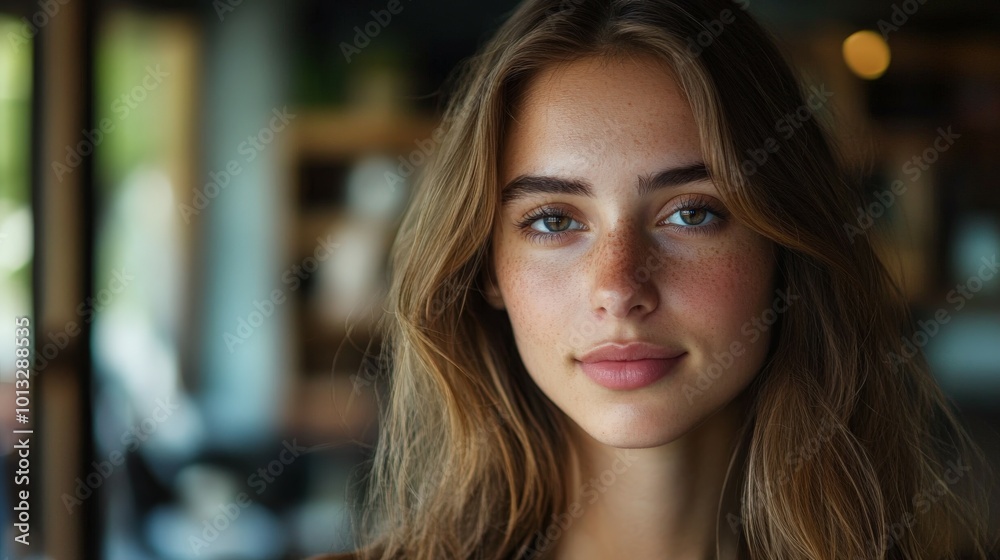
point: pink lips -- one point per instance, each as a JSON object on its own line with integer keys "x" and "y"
{"x": 629, "y": 366}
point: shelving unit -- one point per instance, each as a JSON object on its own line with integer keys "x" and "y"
{"x": 330, "y": 348}
{"x": 882, "y": 124}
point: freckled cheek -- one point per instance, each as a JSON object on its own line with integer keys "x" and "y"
{"x": 540, "y": 296}
{"x": 716, "y": 294}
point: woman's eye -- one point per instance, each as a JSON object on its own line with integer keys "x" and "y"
{"x": 553, "y": 223}
{"x": 692, "y": 217}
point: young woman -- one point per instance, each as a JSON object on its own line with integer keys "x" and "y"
{"x": 627, "y": 317}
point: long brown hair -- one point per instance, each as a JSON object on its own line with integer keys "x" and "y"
{"x": 470, "y": 454}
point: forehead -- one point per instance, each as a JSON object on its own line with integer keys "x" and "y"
{"x": 600, "y": 109}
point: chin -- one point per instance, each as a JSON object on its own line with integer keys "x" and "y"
{"x": 646, "y": 419}
{"x": 636, "y": 426}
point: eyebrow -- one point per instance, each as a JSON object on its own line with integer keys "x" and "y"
{"x": 527, "y": 185}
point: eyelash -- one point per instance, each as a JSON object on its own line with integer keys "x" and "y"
{"x": 694, "y": 203}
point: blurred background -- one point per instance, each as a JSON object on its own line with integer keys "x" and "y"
{"x": 196, "y": 199}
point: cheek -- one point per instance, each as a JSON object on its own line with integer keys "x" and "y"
{"x": 541, "y": 296}
{"x": 721, "y": 310}
{"x": 706, "y": 296}
{"x": 714, "y": 292}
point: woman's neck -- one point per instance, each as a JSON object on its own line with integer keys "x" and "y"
{"x": 651, "y": 503}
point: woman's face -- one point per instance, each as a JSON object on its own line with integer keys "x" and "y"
{"x": 637, "y": 247}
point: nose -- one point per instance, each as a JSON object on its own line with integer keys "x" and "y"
{"x": 623, "y": 273}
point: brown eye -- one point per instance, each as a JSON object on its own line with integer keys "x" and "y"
{"x": 548, "y": 224}
{"x": 557, "y": 223}
{"x": 693, "y": 217}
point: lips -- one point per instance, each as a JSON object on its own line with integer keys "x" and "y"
{"x": 618, "y": 352}
{"x": 629, "y": 366}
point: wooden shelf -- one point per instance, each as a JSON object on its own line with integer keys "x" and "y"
{"x": 326, "y": 397}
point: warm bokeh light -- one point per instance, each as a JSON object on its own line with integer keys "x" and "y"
{"x": 866, "y": 54}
